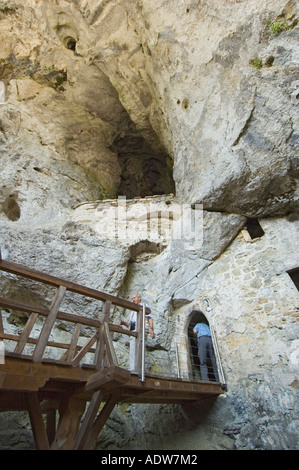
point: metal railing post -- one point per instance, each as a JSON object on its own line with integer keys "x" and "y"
{"x": 218, "y": 360}
{"x": 177, "y": 360}
{"x": 143, "y": 346}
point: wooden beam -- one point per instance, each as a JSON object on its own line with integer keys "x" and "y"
{"x": 69, "y": 317}
{"x": 71, "y": 411}
{"x": 1, "y": 323}
{"x": 22, "y": 382}
{"x": 47, "y": 327}
{"x": 24, "y": 370}
{"x": 37, "y": 422}
{"x": 30, "y": 340}
{"x": 13, "y": 401}
{"x": 110, "y": 351}
{"x": 109, "y": 378}
{"x": 71, "y": 286}
{"x": 84, "y": 349}
{"x": 81, "y": 440}
{"x": 100, "y": 421}
{"x": 51, "y": 425}
{"x": 163, "y": 396}
{"x": 100, "y": 348}
{"x": 26, "y": 333}
{"x": 73, "y": 346}
{"x": 2, "y": 378}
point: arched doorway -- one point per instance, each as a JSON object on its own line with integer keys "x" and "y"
{"x": 197, "y": 316}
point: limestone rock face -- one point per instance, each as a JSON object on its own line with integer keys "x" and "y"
{"x": 184, "y": 102}
{"x": 133, "y": 90}
{"x": 215, "y": 84}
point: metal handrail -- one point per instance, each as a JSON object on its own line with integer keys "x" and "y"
{"x": 217, "y": 354}
{"x": 143, "y": 346}
{"x": 177, "y": 361}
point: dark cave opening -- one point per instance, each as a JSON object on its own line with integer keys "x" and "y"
{"x": 294, "y": 275}
{"x": 254, "y": 228}
{"x": 144, "y": 171}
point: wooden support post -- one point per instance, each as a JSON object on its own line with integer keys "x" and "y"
{"x": 71, "y": 411}
{"x": 110, "y": 351}
{"x": 100, "y": 422}
{"x": 100, "y": 350}
{"x": 47, "y": 327}
{"x": 81, "y": 440}
{"x": 2, "y": 347}
{"x": 1, "y": 323}
{"x": 37, "y": 422}
{"x": 51, "y": 425}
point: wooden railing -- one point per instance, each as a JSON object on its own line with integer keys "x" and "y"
{"x": 100, "y": 344}
{"x": 93, "y": 374}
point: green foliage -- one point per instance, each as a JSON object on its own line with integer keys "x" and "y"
{"x": 284, "y": 22}
{"x": 256, "y": 63}
{"x": 7, "y": 10}
{"x": 277, "y": 27}
{"x": 60, "y": 78}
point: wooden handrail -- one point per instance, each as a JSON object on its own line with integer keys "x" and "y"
{"x": 101, "y": 341}
{"x": 17, "y": 269}
{"x": 70, "y": 317}
{"x": 30, "y": 381}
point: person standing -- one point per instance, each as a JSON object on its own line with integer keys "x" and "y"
{"x": 205, "y": 350}
{"x": 131, "y": 324}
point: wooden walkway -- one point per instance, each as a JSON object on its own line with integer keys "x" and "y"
{"x": 69, "y": 400}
